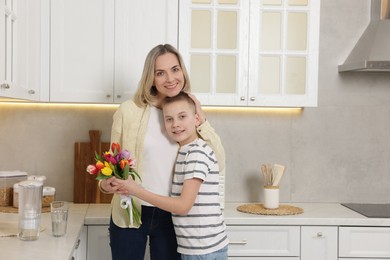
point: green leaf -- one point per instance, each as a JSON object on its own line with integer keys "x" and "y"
{"x": 136, "y": 173}
{"x": 102, "y": 177}
{"x": 98, "y": 157}
{"x": 126, "y": 172}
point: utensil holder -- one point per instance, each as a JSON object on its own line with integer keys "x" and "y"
{"x": 271, "y": 197}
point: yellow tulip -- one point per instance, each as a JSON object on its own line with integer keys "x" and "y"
{"x": 107, "y": 169}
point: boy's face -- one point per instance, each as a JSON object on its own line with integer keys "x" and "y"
{"x": 180, "y": 121}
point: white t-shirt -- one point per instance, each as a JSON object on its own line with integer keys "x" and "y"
{"x": 159, "y": 156}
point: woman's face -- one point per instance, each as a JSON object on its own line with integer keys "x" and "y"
{"x": 168, "y": 76}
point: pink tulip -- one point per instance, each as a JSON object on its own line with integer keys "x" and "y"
{"x": 109, "y": 158}
{"x": 91, "y": 169}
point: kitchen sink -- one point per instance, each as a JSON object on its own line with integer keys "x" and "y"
{"x": 370, "y": 210}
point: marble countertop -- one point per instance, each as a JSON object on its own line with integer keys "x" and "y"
{"x": 46, "y": 247}
{"x": 49, "y": 247}
{"x": 323, "y": 214}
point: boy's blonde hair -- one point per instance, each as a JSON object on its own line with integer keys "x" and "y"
{"x": 182, "y": 96}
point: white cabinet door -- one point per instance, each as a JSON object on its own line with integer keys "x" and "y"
{"x": 19, "y": 49}
{"x": 140, "y": 26}
{"x": 251, "y": 53}
{"x": 81, "y": 50}
{"x": 373, "y": 242}
{"x": 266, "y": 241}
{"x": 3, "y": 85}
{"x": 80, "y": 249}
{"x": 98, "y": 47}
{"x": 98, "y": 247}
{"x": 318, "y": 243}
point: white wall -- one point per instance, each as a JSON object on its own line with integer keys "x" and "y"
{"x": 336, "y": 152}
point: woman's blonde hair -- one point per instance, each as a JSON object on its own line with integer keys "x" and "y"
{"x": 147, "y": 92}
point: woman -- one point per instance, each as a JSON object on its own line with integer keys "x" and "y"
{"x": 139, "y": 127}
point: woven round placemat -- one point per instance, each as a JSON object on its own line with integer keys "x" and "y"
{"x": 10, "y": 209}
{"x": 257, "y": 208}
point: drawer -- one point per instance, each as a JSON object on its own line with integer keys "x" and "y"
{"x": 263, "y": 240}
{"x": 364, "y": 242}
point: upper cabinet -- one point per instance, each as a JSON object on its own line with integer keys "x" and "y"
{"x": 19, "y": 49}
{"x": 238, "y": 52}
{"x": 96, "y": 48}
{"x": 251, "y": 52}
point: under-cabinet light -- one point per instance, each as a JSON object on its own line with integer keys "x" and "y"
{"x": 265, "y": 110}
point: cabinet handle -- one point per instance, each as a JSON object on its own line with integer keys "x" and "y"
{"x": 253, "y": 98}
{"x": 5, "y": 86}
{"x": 77, "y": 244}
{"x": 241, "y": 242}
{"x": 319, "y": 234}
{"x": 242, "y": 98}
{"x": 108, "y": 95}
{"x": 31, "y": 92}
{"x": 118, "y": 96}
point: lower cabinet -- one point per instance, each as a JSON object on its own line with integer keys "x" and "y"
{"x": 282, "y": 242}
{"x": 263, "y": 242}
{"x": 98, "y": 243}
{"x": 319, "y": 242}
{"x": 80, "y": 248}
{"x": 364, "y": 243}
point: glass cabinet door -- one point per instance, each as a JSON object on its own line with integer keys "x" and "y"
{"x": 284, "y": 55}
{"x": 214, "y": 48}
{"x": 251, "y": 53}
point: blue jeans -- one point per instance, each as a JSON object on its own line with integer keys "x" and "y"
{"x": 130, "y": 243}
{"x": 221, "y": 254}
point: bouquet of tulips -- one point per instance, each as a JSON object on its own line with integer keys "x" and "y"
{"x": 117, "y": 163}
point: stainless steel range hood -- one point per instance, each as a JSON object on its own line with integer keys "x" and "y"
{"x": 372, "y": 51}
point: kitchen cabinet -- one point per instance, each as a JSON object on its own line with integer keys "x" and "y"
{"x": 81, "y": 50}
{"x": 263, "y": 241}
{"x": 80, "y": 249}
{"x": 364, "y": 242}
{"x": 19, "y": 49}
{"x": 251, "y": 53}
{"x": 319, "y": 242}
{"x": 98, "y": 243}
{"x": 97, "y": 48}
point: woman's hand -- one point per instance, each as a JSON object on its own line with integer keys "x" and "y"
{"x": 126, "y": 187}
{"x": 198, "y": 107}
{"x": 108, "y": 185}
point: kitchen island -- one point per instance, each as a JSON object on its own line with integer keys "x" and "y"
{"x": 321, "y": 215}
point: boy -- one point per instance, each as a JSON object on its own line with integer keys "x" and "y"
{"x": 194, "y": 203}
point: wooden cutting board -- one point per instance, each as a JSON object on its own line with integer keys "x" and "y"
{"x": 86, "y": 188}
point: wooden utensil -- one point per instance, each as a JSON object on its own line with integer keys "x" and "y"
{"x": 264, "y": 170}
{"x": 278, "y": 174}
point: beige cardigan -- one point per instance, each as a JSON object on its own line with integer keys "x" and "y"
{"x": 129, "y": 128}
